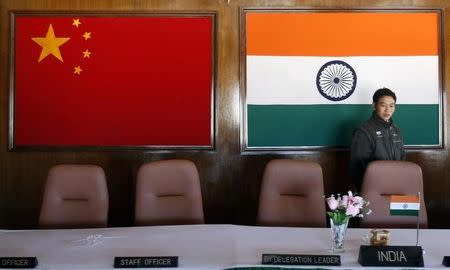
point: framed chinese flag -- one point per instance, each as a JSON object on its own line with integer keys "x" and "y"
{"x": 105, "y": 81}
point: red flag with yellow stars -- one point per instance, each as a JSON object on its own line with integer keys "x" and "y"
{"x": 113, "y": 81}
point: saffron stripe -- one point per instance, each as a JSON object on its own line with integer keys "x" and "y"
{"x": 405, "y": 198}
{"x": 342, "y": 33}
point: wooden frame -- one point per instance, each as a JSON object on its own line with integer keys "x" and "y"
{"x": 280, "y": 143}
{"x": 193, "y": 128}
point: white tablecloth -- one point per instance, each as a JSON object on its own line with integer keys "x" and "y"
{"x": 199, "y": 246}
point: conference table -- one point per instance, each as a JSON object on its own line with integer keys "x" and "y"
{"x": 202, "y": 246}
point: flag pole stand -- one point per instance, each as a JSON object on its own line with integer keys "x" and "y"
{"x": 418, "y": 213}
{"x": 418, "y": 228}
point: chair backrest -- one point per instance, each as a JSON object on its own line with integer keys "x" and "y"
{"x": 167, "y": 193}
{"x": 384, "y": 178}
{"x": 76, "y": 196}
{"x": 292, "y": 194}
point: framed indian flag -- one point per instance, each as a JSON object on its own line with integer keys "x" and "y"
{"x": 112, "y": 81}
{"x": 308, "y": 76}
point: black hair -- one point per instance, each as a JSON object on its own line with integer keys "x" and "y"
{"x": 383, "y": 92}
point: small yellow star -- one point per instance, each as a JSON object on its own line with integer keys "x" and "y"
{"x": 77, "y": 70}
{"x": 86, "y": 54}
{"x": 87, "y": 35}
{"x": 50, "y": 44}
{"x": 76, "y": 22}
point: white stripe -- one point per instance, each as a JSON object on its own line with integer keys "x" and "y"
{"x": 400, "y": 206}
{"x": 292, "y": 79}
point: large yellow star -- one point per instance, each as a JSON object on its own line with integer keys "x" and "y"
{"x": 50, "y": 44}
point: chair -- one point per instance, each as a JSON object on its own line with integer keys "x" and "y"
{"x": 168, "y": 193}
{"x": 76, "y": 196}
{"x": 384, "y": 178}
{"x": 292, "y": 194}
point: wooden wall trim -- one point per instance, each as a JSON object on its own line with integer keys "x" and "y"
{"x": 230, "y": 179}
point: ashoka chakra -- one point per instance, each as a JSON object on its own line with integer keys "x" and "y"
{"x": 336, "y": 80}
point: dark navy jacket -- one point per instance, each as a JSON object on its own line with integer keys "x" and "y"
{"x": 376, "y": 139}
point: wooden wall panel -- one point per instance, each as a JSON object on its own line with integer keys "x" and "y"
{"x": 230, "y": 179}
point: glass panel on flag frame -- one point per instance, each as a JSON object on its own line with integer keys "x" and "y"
{"x": 287, "y": 107}
{"x": 153, "y": 89}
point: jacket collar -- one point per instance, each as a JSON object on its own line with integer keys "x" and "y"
{"x": 378, "y": 121}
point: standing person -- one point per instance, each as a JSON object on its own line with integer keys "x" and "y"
{"x": 378, "y": 138}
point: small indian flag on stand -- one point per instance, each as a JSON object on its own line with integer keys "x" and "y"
{"x": 404, "y": 205}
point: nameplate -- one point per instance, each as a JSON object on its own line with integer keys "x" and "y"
{"x": 18, "y": 262}
{"x": 290, "y": 259}
{"x": 391, "y": 256}
{"x": 446, "y": 261}
{"x": 145, "y": 262}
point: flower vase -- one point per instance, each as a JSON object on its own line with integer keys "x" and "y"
{"x": 338, "y": 235}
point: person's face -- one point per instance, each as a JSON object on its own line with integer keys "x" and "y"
{"x": 385, "y": 107}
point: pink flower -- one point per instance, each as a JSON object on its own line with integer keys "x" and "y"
{"x": 352, "y": 210}
{"x": 358, "y": 201}
{"x": 332, "y": 203}
{"x": 344, "y": 202}
{"x": 346, "y": 206}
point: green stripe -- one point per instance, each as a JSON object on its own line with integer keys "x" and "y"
{"x": 404, "y": 212}
{"x": 333, "y": 125}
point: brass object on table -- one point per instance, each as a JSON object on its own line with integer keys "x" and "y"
{"x": 379, "y": 237}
